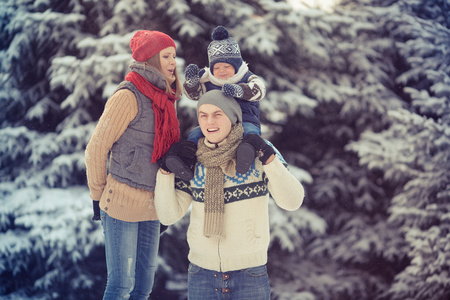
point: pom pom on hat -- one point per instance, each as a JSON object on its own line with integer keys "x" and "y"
{"x": 145, "y": 44}
{"x": 228, "y": 104}
{"x": 220, "y": 33}
{"x": 223, "y": 49}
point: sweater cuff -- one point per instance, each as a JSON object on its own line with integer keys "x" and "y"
{"x": 96, "y": 194}
{"x": 273, "y": 165}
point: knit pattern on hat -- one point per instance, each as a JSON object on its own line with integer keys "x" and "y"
{"x": 216, "y": 160}
{"x": 224, "y": 49}
{"x": 145, "y": 44}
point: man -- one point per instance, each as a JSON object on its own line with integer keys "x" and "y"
{"x": 228, "y": 234}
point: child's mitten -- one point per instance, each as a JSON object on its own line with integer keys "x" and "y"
{"x": 233, "y": 90}
{"x": 192, "y": 75}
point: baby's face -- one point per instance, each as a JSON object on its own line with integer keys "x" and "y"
{"x": 223, "y": 71}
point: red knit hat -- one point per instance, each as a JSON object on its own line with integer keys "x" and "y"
{"x": 145, "y": 44}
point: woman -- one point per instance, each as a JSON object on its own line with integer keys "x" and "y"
{"x": 138, "y": 126}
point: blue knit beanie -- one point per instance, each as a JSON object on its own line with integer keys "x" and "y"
{"x": 223, "y": 49}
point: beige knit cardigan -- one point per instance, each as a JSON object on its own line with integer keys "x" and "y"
{"x": 117, "y": 199}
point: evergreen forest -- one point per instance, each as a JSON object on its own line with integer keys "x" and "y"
{"x": 358, "y": 103}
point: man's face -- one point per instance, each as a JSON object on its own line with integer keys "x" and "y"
{"x": 214, "y": 123}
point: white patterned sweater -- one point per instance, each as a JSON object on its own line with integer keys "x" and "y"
{"x": 246, "y": 217}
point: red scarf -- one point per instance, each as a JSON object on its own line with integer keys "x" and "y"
{"x": 167, "y": 127}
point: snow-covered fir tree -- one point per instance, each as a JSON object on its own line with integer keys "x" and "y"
{"x": 413, "y": 153}
{"x": 358, "y": 103}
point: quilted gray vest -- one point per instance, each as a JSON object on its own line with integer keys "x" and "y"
{"x": 131, "y": 154}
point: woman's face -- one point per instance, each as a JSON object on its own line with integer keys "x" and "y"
{"x": 168, "y": 63}
{"x": 214, "y": 123}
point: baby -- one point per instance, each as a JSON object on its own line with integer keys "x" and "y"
{"x": 229, "y": 73}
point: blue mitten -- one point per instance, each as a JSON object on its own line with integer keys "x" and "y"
{"x": 233, "y": 90}
{"x": 192, "y": 75}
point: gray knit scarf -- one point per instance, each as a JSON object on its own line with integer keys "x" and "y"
{"x": 218, "y": 161}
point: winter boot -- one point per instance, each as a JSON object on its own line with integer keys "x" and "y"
{"x": 181, "y": 159}
{"x": 245, "y": 156}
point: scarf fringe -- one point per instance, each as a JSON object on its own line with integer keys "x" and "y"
{"x": 213, "y": 225}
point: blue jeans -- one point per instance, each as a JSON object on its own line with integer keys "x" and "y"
{"x": 246, "y": 284}
{"x": 197, "y": 133}
{"x": 131, "y": 251}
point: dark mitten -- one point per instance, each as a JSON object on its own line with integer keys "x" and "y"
{"x": 181, "y": 159}
{"x": 233, "y": 90}
{"x": 96, "y": 207}
{"x": 192, "y": 75}
{"x": 162, "y": 163}
{"x": 263, "y": 150}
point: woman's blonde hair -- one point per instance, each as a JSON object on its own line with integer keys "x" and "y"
{"x": 154, "y": 62}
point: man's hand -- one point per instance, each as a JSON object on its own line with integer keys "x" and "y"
{"x": 263, "y": 150}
